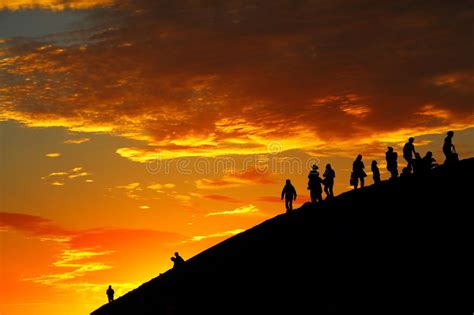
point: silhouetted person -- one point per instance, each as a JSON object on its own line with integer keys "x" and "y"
{"x": 314, "y": 185}
{"x": 358, "y": 172}
{"x": 418, "y": 167}
{"x": 328, "y": 181}
{"x": 448, "y": 148}
{"x": 408, "y": 152}
{"x": 375, "y": 172}
{"x": 392, "y": 164}
{"x": 289, "y": 192}
{"x": 110, "y": 293}
{"x": 428, "y": 161}
{"x": 405, "y": 172}
{"x": 177, "y": 260}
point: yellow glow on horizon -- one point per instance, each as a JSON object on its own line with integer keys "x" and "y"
{"x": 55, "y": 5}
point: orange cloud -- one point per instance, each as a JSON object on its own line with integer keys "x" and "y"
{"x": 221, "y": 198}
{"x": 251, "y": 176}
{"x": 259, "y": 79}
{"x": 269, "y": 199}
{"x": 83, "y": 252}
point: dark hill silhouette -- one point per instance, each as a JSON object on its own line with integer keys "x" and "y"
{"x": 400, "y": 247}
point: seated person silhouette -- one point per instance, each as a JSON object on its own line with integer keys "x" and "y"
{"x": 289, "y": 193}
{"x": 428, "y": 161}
{"x": 177, "y": 260}
{"x": 405, "y": 172}
{"x": 110, "y": 293}
{"x": 375, "y": 172}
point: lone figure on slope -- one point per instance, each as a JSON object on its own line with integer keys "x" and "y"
{"x": 328, "y": 181}
{"x": 409, "y": 152}
{"x": 110, "y": 293}
{"x": 289, "y": 192}
{"x": 448, "y": 148}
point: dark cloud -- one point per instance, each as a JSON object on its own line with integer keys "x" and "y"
{"x": 206, "y": 76}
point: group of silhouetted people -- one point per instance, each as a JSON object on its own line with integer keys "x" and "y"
{"x": 315, "y": 186}
{"x": 415, "y": 165}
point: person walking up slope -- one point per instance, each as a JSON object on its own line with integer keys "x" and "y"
{"x": 289, "y": 193}
{"x": 328, "y": 181}
{"x": 358, "y": 173}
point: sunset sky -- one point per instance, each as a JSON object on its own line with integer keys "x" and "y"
{"x": 131, "y": 129}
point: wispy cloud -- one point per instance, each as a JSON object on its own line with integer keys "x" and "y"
{"x": 221, "y": 198}
{"x": 269, "y": 199}
{"x": 249, "y": 176}
{"x": 77, "y": 141}
{"x": 249, "y": 209}
{"x": 215, "y": 235}
{"x": 82, "y": 251}
{"x": 160, "y": 187}
{"x": 78, "y": 260}
{"x": 59, "y": 178}
{"x": 53, "y": 155}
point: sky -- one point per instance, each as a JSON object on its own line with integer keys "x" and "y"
{"x": 133, "y": 129}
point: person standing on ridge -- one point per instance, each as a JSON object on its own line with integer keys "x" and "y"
{"x": 408, "y": 152}
{"x": 358, "y": 172}
{"x": 289, "y": 192}
{"x": 110, "y": 293}
{"x": 392, "y": 164}
{"x": 328, "y": 181}
{"x": 448, "y": 148}
{"x": 375, "y": 172}
{"x": 314, "y": 185}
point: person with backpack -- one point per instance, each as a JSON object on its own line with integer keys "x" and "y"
{"x": 314, "y": 185}
{"x": 289, "y": 193}
{"x": 328, "y": 181}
